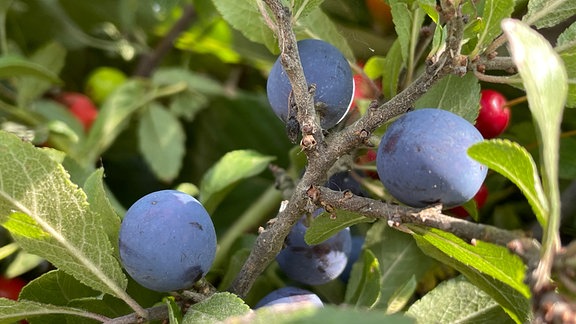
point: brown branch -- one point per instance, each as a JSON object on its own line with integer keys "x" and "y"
{"x": 150, "y": 61}
{"x": 155, "y": 313}
{"x": 397, "y": 215}
{"x": 323, "y": 153}
{"x": 290, "y": 59}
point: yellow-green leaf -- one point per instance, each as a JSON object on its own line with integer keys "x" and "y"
{"x": 515, "y": 163}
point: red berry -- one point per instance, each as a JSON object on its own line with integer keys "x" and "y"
{"x": 10, "y": 288}
{"x": 366, "y": 158}
{"x": 480, "y": 199}
{"x": 494, "y": 114}
{"x": 80, "y": 106}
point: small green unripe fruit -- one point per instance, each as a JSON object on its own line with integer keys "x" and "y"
{"x": 102, "y": 82}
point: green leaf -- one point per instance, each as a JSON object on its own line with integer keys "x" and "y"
{"x": 49, "y": 216}
{"x": 302, "y": 8}
{"x": 441, "y": 95}
{"x": 196, "y": 82}
{"x": 298, "y": 314}
{"x": 52, "y": 57}
{"x": 216, "y": 308}
{"x": 174, "y": 312}
{"x": 402, "y": 18}
{"x": 492, "y": 268}
{"x": 374, "y": 67}
{"x": 569, "y": 58}
{"x": 567, "y": 39}
{"x": 12, "y": 311}
{"x": 318, "y": 25}
{"x": 567, "y": 163}
{"x": 494, "y": 12}
{"x": 215, "y": 38}
{"x": 398, "y": 256}
{"x": 60, "y": 120}
{"x": 402, "y": 296}
{"x": 363, "y": 289}
{"x": 515, "y": 163}
{"x": 392, "y": 68}
{"x": 566, "y": 46}
{"x": 429, "y": 6}
{"x": 233, "y": 267}
{"x": 115, "y": 114}
{"x": 245, "y": 17}
{"x": 57, "y": 288}
{"x": 8, "y": 250}
{"x": 228, "y": 171}
{"x": 326, "y": 225}
{"x": 100, "y": 204}
{"x": 12, "y": 66}
{"x": 491, "y": 259}
{"x": 546, "y": 86}
{"x": 112, "y": 119}
{"x": 456, "y": 301}
{"x": 548, "y": 13}
{"x": 187, "y": 105}
{"x": 161, "y": 140}
{"x": 22, "y": 263}
{"x": 245, "y": 121}
{"x": 471, "y": 208}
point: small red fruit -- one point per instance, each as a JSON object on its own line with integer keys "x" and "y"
{"x": 480, "y": 199}
{"x": 80, "y": 106}
{"x": 10, "y": 288}
{"x": 367, "y": 158}
{"x": 494, "y": 114}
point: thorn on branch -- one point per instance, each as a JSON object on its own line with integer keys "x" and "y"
{"x": 313, "y": 193}
{"x": 308, "y": 143}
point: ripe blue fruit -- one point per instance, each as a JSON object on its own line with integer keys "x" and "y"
{"x": 167, "y": 241}
{"x": 343, "y": 180}
{"x": 422, "y": 159}
{"x": 326, "y": 67}
{"x": 314, "y": 264}
{"x": 357, "y": 243}
{"x": 289, "y": 295}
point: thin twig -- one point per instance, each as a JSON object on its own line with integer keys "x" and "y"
{"x": 154, "y": 314}
{"x": 396, "y": 215}
{"x": 150, "y": 61}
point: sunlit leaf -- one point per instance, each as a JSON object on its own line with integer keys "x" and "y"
{"x": 456, "y": 301}
{"x": 492, "y": 268}
{"x": 11, "y": 311}
{"x": 295, "y": 313}
{"x": 231, "y": 168}
{"x": 215, "y": 309}
{"x": 303, "y": 7}
{"x": 50, "y": 217}
{"x": 245, "y": 17}
{"x": 402, "y": 18}
{"x": 99, "y": 202}
{"x": 516, "y": 164}
{"x": 494, "y": 12}
{"x": 546, "y": 85}
{"x": 548, "y": 13}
